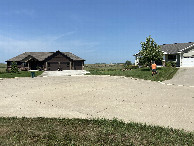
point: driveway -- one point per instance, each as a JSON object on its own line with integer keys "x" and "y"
{"x": 184, "y": 76}
{"x": 99, "y": 97}
{"x": 64, "y": 73}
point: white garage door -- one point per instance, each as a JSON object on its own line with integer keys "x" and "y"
{"x": 188, "y": 62}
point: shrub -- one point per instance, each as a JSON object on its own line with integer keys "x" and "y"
{"x": 14, "y": 67}
{"x": 128, "y": 63}
{"x": 132, "y": 67}
{"x": 110, "y": 69}
{"x": 170, "y": 64}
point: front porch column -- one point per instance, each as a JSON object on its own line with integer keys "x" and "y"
{"x": 165, "y": 59}
{"x": 181, "y": 56}
{"x": 70, "y": 65}
{"x": 176, "y": 60}
{"x": 136, "y": 60}
{"x": 28, "y": 66}
{"x": 46, "y": 66}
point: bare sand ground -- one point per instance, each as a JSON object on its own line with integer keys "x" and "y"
{"x": 98, "y": 97}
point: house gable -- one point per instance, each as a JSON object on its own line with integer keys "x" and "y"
{"x": 189, "y": 52}
{"x": 58, "y": 57}
{"x": 28, "y": 58}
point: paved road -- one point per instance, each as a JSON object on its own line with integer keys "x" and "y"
{"x": 184, "y": 76}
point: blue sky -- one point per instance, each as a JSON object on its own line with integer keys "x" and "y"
{"x": 107, "y": 31}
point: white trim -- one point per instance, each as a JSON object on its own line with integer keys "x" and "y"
{"x": 187, "y": 47}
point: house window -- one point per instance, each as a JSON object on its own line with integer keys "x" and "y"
{"x": 158, "y": 62}
{"x": 172, "y": 57}
{"x": 67, "y": 64}
{"x": 189, "y": 57}
{"x": 49, "y": 64}
{"x": 25, "y": 64}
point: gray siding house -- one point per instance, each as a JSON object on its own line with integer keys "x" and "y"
{"x": 181, "y": 53}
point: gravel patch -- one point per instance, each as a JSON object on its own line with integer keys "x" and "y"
{"x": 99, "y": 97}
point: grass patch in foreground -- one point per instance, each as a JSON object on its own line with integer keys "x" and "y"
{"x": 20, "y": 74}
{"x": 53, "y": 131}
{"x": 164, "y": 73}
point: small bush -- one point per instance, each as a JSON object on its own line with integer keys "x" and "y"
{"x": 134, "y": 67}
{"x": 110, "y": 69}
{"x": 170, "y": 64}
{"x": 14, "y": 67}
{"x": 131, "y": 67}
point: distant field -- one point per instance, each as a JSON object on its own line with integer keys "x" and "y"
{"x": 103, "y": 66}
{"x": 2, "y": 67}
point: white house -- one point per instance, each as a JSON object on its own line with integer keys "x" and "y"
{"x": 181, "y": 53}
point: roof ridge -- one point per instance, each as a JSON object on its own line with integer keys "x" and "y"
{"x": 177, "y": 43}
{"x": 43, "y": 55}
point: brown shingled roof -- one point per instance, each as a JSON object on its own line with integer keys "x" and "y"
{"x": 72, "y": 56}
{"x": 41, "y": 56}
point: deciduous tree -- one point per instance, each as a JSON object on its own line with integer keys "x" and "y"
{"x": 149, "y": 52}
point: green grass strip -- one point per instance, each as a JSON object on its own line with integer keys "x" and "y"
{"x": 164, "y": 73}
{"x": 53, "y": 131}
{"x": 20, "y": 74}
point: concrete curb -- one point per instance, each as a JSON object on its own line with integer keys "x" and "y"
{"x": 168, "y": 84}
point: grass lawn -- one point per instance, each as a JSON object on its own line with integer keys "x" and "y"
{"x": 20, "y": 74}
{"x": 164, "y": 73}
{"x": 53, "y": 131}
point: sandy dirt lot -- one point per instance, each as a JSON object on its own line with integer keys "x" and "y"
{"x": 99, "y": 96}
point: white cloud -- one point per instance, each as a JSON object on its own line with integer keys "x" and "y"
{"x": 27, "y": 12}
{"x": 10, "y": 47}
